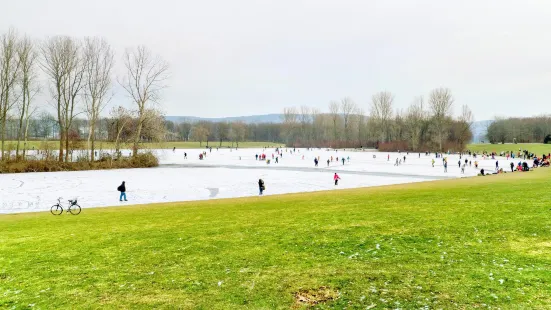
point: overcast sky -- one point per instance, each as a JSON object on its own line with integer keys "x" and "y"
{"x": 245, "y": 57}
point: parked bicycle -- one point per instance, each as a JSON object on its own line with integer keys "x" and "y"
{"x": 73, "y": 208}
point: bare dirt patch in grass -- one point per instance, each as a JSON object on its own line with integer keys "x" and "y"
{"x": 312, "y": 297}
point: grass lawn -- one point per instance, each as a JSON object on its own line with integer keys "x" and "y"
{"x": 537, "y": 148}
{"x": 459, "y": 244}
{"x": 164, "y": 145}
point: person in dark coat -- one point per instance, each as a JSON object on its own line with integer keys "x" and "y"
{"x": 122, "y": 189}
{"x": 261, "y": 186}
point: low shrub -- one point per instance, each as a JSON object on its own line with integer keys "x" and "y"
{"x": 144, "y": 160}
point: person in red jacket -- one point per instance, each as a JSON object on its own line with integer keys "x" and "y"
{"x": 336, "y": 178}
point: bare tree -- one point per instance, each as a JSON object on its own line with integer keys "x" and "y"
{"x": 466, "y": 120}
{"x": 317, "y": 123}
{"x": 28, "y": 85}
{"x": 145, "y": 78}
{"x": 334, "y": 109}
{"x": 200, "y": 133}
{"x": 441, "y": 103}
{"x": 290, "y": 125}
{"x": 360, "y": 122}
{"x": 414, "y": 122}
{"x": 239, "y": 132}
{"x": 72, "y": 87}
{"x": 98, "y": 66}
{"x": 347, "y": 107}
{"x": 9, "y": 71}
{"x": 381, "y": 112}
{"x": 305, "y": 121}
{"x": 121, "y": 118}
{"x": 63, "y": 64}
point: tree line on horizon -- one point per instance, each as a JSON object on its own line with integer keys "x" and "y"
{"x": 520, "y": 130}
{"x": 429, "y": 126}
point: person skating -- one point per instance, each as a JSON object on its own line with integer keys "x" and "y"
{"x": 433, "y": 162}
{"x": 261, "y": 186}
{"x": 459, "y": 163}
{"x": 336, "y": 178}
{"x": 315, "y": 162}
{"x": 497, "y": 165}
{"x": 276, "y": 159}
{"x": 463, "y": 169}
{"x": 404, "y": 159}
{"x": 185, "y": 155}
{"x": 512, "y": 167}
{"x": 396, "y": 164}
{"x": 174, "y": 150}
{"x": 343, "y": 161}
{"x": 122, "y": 189}
{"x": 445, "y": 166}
{"x": 328, "y": 162}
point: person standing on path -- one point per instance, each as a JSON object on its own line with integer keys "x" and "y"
{"x": 336, "y": 178}
{"x": 122, "y": 189}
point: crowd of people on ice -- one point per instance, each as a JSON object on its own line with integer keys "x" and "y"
{"x": 523, "y": 157}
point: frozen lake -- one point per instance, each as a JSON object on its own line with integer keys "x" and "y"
{"x": 224, "y": 173}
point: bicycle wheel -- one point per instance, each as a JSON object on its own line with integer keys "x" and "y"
{"x": 75, "y": 209}
{"x": 56, "y": 210}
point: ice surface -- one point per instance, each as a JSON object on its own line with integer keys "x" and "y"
{"x": 225, "y": 173}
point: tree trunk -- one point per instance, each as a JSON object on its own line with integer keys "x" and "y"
{"x": 93, "y": 147}
{"x": 19, "y": 132}
{"x": 26, "y": 134}
{"x": 61, "y": 136}
{"x": 137, "y": 139}
{"x": 3, "y": 136}
{"x": 66, "y": 145}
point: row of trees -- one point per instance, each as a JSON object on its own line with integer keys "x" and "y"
{"x": 79, "y": 79}
{"x": 520, "y": 130}
{"x": 430, "y": 126}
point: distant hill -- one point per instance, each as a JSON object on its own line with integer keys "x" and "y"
{"x": 253, "y": 119}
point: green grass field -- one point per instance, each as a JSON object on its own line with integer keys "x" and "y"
{"x": 459, "y": 244}
{"x": 164, "y": 145}
{"x": 537, "y": 148}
